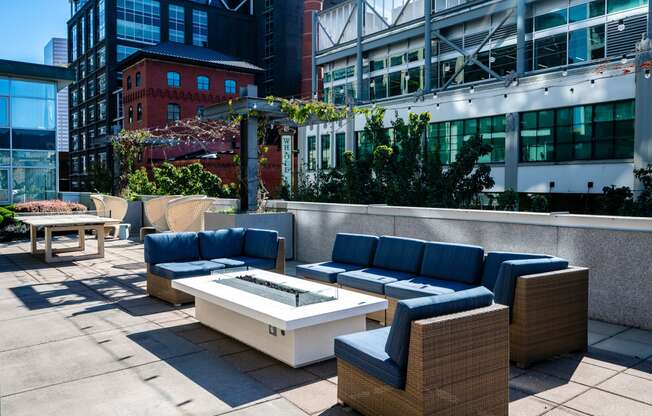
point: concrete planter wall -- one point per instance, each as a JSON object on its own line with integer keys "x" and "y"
{"x": 616, "y": 249}
{"x": 283, "y": 222}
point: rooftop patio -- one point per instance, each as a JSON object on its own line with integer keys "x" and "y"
{"x": 84, "y": 338}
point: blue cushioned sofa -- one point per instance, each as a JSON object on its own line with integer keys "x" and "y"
{"x": 548, "y": 300}
{"x": 171, "y": 256}
{"x": 419, "y": 366}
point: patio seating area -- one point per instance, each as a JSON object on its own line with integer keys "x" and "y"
{"x": 87, "y": 339}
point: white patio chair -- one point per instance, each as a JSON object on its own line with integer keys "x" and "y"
{"x": 155, "y": 209}
{"x": 187, "y": 214}
{"x": 109, "y": 206}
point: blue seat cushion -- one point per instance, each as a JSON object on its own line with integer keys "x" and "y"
{"x": 423, "y": 286}
{"x": 358, "y": 249}
{"x": 371, "y": 280}
{"x": 244, "y": 261}
{"x": 512, "y": 269}
{"x": 457, "y": 262}
{"x": 325, "y": 272}
{"x": 495, "y": 258}
{"x": 186, "y": 269}
{"x": 260, "y": 243}
{"x": 171, "y": 248}
{"x": 407, "y": 311}
{"x": 365, "y": 351}
{"x": 400, "y": 254}
{"x": 221, "y": 243}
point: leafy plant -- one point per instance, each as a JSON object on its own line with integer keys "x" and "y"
{"x": 508, "y": 200}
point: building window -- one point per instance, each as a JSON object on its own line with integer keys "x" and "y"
{"x": 550, "y": 52}
{"x": 138, "y": 79}
{"x": 101, "y": 110}
{"x": 177, "y": 26}
{"x": 325, "y": 151}
{"x": 131, "y": 115}
{"x": 614, "y": 6}
{"x": 445, "y": 139}
{"x": 174, "y": 79}
{"x": 229, "y": 86}
{"x": 101, "y": 83}
{"x": 73, "y": 42}
{"x": 139, "y": 112}
{"x": 340, "y": 148}
{"x": 174, "y": 112}
{"x": 364, "y": 148}
{"x": 101, "y": 28}
{"x": 586, "y": 44}
{"x": 203, "y": 83}
{"x": 139, "y": 20}
{"x": 82, "y": 33}
{"x": 129, "y": 82}
{"x": 124, "y": 51}
{"x": 312, "y": 153}
{"x": 91, "y": 31}
{"x": 101, "y": 57}
{"x": 589, "y": 132}
{"x": 199, "y": 28}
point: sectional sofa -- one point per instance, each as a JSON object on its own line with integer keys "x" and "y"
{"x": 548, "y": 300}
{"x": 419, "y": 366}
{"x": 171, "y": 256}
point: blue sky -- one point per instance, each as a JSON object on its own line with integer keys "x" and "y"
{"x": 26, "y": 26}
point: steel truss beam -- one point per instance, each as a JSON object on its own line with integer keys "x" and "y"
{"x": 471, "y": 58}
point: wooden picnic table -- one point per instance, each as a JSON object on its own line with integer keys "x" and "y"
{"x": 55, "y": 223}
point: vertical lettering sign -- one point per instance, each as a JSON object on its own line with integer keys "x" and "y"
{"x": 286, "y": 151}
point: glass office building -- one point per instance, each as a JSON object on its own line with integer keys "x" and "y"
{"x": 28, "y": 148}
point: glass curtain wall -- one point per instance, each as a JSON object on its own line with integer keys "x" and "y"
{"x": 589, "y": 132}
{"x": 28, "y": 157}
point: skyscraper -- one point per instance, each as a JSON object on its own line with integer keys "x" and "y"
{"x": 56, "y": 54}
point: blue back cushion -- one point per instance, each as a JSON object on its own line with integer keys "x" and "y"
{"x": 495, "y": 258}
{"x": 221, "y": 243}
{"x": 171, "y": 248}
{"x": 398, "y": 342}
{"x": 356, "y": 249}
{"x": 456, "y": 262}
{"x": 261, "y": 243}
{"x": 512, "y": 269}
{"x": 400, "y": 254}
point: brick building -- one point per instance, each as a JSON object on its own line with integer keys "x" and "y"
{"x": 172, "y": 81}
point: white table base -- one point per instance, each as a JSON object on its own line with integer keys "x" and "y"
{"x": 295, "y": 348}
{"x": 50, "y": 252}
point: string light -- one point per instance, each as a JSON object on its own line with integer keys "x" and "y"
{"x": 621, "y": 25}
{"x": 623, "y": 60}
{"x": 564, "y": 73}
{"x": 647, "y": 74}
{"x": 545, "y": 91}
{"x": 472, "y": 89}
{"x": 592, "y": 83}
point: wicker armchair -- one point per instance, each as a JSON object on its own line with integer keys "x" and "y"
{"x": 155, "y": 210}
{"x": 111, "y": 207}
{"x": 458, "y": 364}
{"x": 187, "y": 214}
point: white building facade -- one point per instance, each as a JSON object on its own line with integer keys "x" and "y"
{"x": 553, "y": 85}
{"x": 56, "y": 54}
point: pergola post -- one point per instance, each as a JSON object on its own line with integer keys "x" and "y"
{"x": 249, "y": 164}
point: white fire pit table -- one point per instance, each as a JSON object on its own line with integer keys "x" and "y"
{"x": 290, "y": 319}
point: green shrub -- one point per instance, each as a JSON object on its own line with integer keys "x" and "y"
{"x": 6, "y": 216}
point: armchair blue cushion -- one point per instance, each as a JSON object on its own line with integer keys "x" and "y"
{"x": 325, "y": 272}
{"x": 365, "y": 351}
{"x": 185, "y": 269}
{"x": 371, "y": 280}
{"x": 242, "y": 261}
{"x": 398, "y": 341}
{"x": 221, "y": 243}
{"x": 171, "y": 248}
{"x": 358, "y": 249}
{"x": 423, "y": 286}
{"x": 456, "y": 262}
{"x": 495, "y": 258}
{"x": 512, "y": 269}
{"x": 260, "y": 243}
{"x": 400, "y": 254}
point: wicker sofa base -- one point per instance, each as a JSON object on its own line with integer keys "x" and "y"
{"x": 458, "y": 365}
{"x": 550, "y": 315}
{"x": 161, "y": 288}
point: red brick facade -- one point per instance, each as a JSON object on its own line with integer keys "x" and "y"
{"x": 153, "y": 94}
